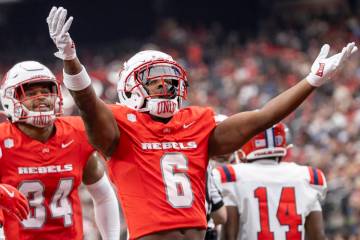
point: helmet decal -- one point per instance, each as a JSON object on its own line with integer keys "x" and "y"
{"x": 270, "y": 143}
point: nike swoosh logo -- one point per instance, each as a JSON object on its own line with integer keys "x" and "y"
{"x": 11, "y": 194}
{"x": 188, "y": 125}
{"x": 65, "y": 145}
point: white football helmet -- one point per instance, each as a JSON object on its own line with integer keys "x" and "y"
{"x": 147, "y": 66}
{"x": 14, "y": 84}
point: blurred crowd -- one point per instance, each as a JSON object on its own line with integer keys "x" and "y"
{"x": 233, "y": 72}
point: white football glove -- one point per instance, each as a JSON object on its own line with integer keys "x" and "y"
{"x": 324, "y": 68}
{"x": 58, "y": 30}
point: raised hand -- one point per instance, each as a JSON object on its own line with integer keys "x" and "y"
{"x": 59, "y": 33}
{"x": 325, "y": 67}
{"x": 14, "y": 202}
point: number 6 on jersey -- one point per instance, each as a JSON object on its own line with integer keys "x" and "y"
{"x": 177, "y": 183}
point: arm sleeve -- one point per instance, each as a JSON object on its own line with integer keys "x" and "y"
{"x": 319, "y": 185}
{"x": 107, "y": 213}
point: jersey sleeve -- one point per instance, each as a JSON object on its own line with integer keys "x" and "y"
{"x": 227, "y": 184}
{"x": 317, "y": 182}
{"x": 118, "y": 111}
{"x": 316, "y": 206}
{"x": 214, "y": 192}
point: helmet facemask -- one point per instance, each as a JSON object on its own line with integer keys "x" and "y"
{"x": 36, "y": 109}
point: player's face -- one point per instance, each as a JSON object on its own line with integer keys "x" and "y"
{"x": 38, "y": 97}
{"x": 161, "y": 88}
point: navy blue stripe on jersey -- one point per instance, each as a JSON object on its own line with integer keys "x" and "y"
{"x": 316, "y": 177}
{"x": 229, "y": 173}
{"x": 266, "y": 139}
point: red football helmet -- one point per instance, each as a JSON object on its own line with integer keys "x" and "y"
{"x": 273, "y": 142}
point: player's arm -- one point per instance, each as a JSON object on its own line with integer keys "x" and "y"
{"x": 219, "y": 215}
{"x": 236, "y": 130}
{"x": 230, "y": 229}
{"x": 217, "y": 211}
{"x": 100, "y": 123}
{"x": 106, "y": 205}
{"x": 314, "y": 226}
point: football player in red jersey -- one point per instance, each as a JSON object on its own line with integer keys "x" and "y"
{"x": 46, "y": 157}
{"x": 159, "y": 151}
{"x": 269, "y": 199}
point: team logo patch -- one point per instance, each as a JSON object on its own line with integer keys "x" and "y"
{"x": 131, "y": 117}
{"x": 260, "y": 143}
{"x": 320, "y": 71}
{"x": 45, "y": 150}
{"x": 9, "y": 143}
{"x": 166, "y": 130}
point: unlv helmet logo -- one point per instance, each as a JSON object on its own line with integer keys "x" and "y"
{"x": 42, "y": 120}
{"x": 320, "y": 71}
{"x": 166, "y": 107}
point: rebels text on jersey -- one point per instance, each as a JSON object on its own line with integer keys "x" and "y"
{"x": 48, "y": 174}
{"x": 273, "y": 199}
{"x": 160, "y": 169}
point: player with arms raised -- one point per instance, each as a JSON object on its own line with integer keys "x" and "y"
{"x": 268, "y": 199}
{"x": 159, "y": 151}
{"x": 46, "y": 157}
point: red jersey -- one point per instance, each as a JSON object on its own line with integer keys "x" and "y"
{"x": 159, "y": 169}
{"x": 48, "y": 174}
{"x": 1, "y": 217}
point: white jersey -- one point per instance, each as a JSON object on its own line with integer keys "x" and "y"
{"x": 273, "y": 198}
